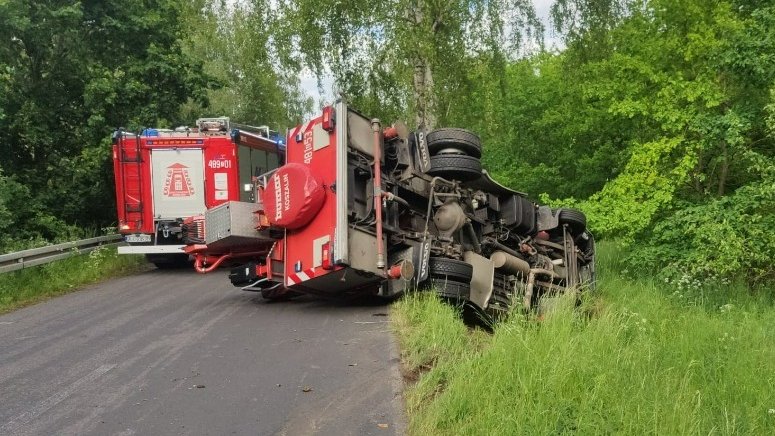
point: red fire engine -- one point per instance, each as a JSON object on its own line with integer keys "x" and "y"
{"x": 165, "y": 176}
{"x": 361, "y": 209}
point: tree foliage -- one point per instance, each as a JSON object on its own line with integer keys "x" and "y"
{"x": 71, "y": 72}
{"x": 691, "y": 81}
{"x": 249, "y": 83}
{"x": 402, "y": 57}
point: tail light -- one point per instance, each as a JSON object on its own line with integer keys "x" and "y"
{"x": 326, "y": 256}
{"x": 329, "y": 119}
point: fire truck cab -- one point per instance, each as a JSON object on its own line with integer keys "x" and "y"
{"x": 362, "y": 208}
{"x": 164, "y": 176}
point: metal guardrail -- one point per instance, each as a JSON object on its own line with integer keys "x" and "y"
{"x": 39, "y": 256}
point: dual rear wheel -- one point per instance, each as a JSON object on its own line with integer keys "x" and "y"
{"x": 455, "y": 154}
{"x": 450, "y": 278}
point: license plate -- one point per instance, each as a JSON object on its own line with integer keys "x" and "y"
{"x": 138, "y": 238}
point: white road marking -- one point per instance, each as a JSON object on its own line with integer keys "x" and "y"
{"x": 12, "y": 426}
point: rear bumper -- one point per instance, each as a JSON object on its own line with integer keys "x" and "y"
{"x": 151, "y": 249}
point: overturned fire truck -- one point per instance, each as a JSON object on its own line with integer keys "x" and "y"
{"x": 358, "y": 208}
{"x": 164, "y": 176}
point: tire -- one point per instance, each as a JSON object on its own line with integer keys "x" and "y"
{"x": 460, "y": 139}
{"x": 450, "y": 269}
{"x": 575, "y": 219}
{"x": 501, "y": 294}
{"x": 587, "y": 277}
{"x": 450, "y": 289}
{"x": 279, "y": 294}
{"x": 168, "y": 261}
{"x": 456, "y": 167}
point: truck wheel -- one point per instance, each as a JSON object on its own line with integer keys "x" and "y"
{"x": 456, "y": 270}
{"x": 587, "y": 276}
{"x": 502, "y": 293}
{"x": 456, "y": 167}
{"x": 575, "y": 219}
{"x": 279, "y": 294}
{"x": 450, "y": 289}
{"x": 168, "y": 261}
{"x": 460, "y": 139}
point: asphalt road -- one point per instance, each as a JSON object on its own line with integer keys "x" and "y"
{"x": 172, "y": 352}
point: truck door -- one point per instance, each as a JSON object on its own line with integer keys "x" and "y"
{"x": 253, "y": 162}
{"x": 178, "y": 183}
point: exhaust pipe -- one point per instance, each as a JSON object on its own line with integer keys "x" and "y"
{"x": 509, "y": 263}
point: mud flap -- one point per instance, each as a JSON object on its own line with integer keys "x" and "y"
{"x": 422, "y": 153}
{"x": 482, "y": 279}
{"x": 422, "y": 265}
{"x": 547, "y": 219}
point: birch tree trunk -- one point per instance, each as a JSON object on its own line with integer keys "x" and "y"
{"x": 422, "y": 84}
{"x": 423, "y": 94}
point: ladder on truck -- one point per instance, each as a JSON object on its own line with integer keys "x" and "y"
{"x": 130, "y": 162}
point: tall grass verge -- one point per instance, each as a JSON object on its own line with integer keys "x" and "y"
{"x": 648, "y": 360}
{"x": 32, "y": 285}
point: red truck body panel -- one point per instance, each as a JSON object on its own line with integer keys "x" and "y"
{"x": 139, "y": 191}
{"x": 308, "y": 250}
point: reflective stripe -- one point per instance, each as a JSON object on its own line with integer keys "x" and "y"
{"x": 302, "y": 276}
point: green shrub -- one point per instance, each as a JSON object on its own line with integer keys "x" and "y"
{"x": 25, "y": 223}
{"x": 727, "y": 239}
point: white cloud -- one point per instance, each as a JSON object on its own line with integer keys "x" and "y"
{"x": 542, "y": 7}
{"x": 309, "y": 84}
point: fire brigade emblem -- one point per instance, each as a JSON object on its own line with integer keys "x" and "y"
{"x": 178, "y": 183}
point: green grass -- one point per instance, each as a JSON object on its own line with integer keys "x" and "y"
{"x": 648, "y": 360}
{"x": 32, "y": 285}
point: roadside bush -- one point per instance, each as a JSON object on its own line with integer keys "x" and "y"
{"x": 25, "y": 223}
{"x": 728, "y": 238}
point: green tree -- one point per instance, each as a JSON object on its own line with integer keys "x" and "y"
{"x": 251, "y": 85}
{"x": 691, "y": 82}
{"x": 71, "y": 73}
{"x": 695, "y": 109}
{"x": 401, "y": 53}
